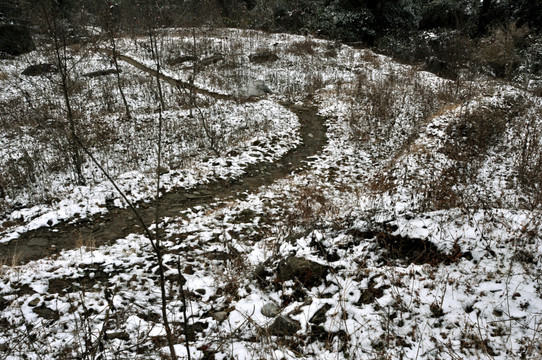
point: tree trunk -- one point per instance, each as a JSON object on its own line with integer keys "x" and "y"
{"x": 60, "y": 53}
{"x": 119, "y": 82}
{"x": 483, "y": 18}
{"x": 157, "y": 247}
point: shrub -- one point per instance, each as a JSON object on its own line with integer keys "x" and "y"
{"x": 529, "y": 162}
{"x": 499, "y": 51}
{"x": 475, "y": 132}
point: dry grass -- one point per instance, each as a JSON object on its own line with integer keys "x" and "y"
{"x": 446, "y": 109}
{"x": 475, "y": 132}
{"x": 499, "y": 50}
{"x": 300, "y": 48}
{"x": 9, "y": 262}
{"x": 88, "y": 242}
{"x": 371, "y": 58}
{"x": 529, "y": 161}
{"x": 310, "y": 208}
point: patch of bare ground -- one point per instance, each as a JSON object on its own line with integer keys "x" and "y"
{"x": 394, "y": 249}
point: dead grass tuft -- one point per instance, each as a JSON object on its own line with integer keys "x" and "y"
{"x": 310, "y": 207}
{"x": 446, "y": 109}
{"x": 87, "y": 242}
{"x": 300, "y": 48}
{"x": 475, "y": 132}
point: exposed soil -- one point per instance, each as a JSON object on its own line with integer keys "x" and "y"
{"x": 118, "y": 223}
{"x": 414, "y": 250}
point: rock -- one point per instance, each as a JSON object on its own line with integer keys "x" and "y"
{"x": 196, "y": 328}
{"x": 15, "y": 39}
{"x": 270, "y": 310}
{"x": 220, "y": 316}
{"x": 284, "y": 326}
{"x": 318, "y": 332}
{"x": 189, "y": 269}
{"x": 254, "y": 88}
{"x": 45, "y": 313}
{"x": 98, "y": 73}
{"x": 332, "y": 256}
{"x": 307, "y": 272}
{"x": 370, "y": 295}
{"x": 110, "y": 203}
{"x": 262, "y": 57}
{"x": 34, "y": 302}
{"x": 319, "y": 317}
{"x": 39, "y": 69}
{"x": 262, "y": 87}
{"x": 3, "y": 303}
{"x": 468, "y": 255}
{"x": 260, "y": 274}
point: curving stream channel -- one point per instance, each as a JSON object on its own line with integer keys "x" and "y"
{"x": 119, "y": 222}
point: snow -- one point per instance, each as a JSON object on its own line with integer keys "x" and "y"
{"x": 484, "y": 302}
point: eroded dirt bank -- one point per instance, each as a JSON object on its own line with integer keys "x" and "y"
{"x": 118, "y": 223}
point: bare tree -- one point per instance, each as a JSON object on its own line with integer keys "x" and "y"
{"x": 151, "y": 16}
{"x": 111, "y": 18}
{"x": 54, "y": 20}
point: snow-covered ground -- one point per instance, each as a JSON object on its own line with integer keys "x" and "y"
{"x": 417, "y": 226}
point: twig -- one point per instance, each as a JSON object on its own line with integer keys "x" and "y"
{"x": 182, "y": 281}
